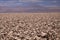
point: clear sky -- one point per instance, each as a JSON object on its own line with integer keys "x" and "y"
{"x": 29, "y": 5}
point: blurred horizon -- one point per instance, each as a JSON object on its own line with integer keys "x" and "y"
{"x": 29, "y": 6}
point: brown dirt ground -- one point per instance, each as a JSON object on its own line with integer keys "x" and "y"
{"x": 30, "y": 26}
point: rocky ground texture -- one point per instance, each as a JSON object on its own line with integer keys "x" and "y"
{"x": 43, "y": 26}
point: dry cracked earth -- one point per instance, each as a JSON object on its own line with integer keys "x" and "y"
{"x": 38, "y": 26}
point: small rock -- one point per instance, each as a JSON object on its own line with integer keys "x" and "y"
{"x": 43, "y": 34}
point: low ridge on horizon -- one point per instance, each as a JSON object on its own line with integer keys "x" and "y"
{"x": 29, "y": 6}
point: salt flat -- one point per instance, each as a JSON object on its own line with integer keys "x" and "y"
{"x": 29, "y": 26}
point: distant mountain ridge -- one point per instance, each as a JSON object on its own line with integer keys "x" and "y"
{"x": 28, "y": 9}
